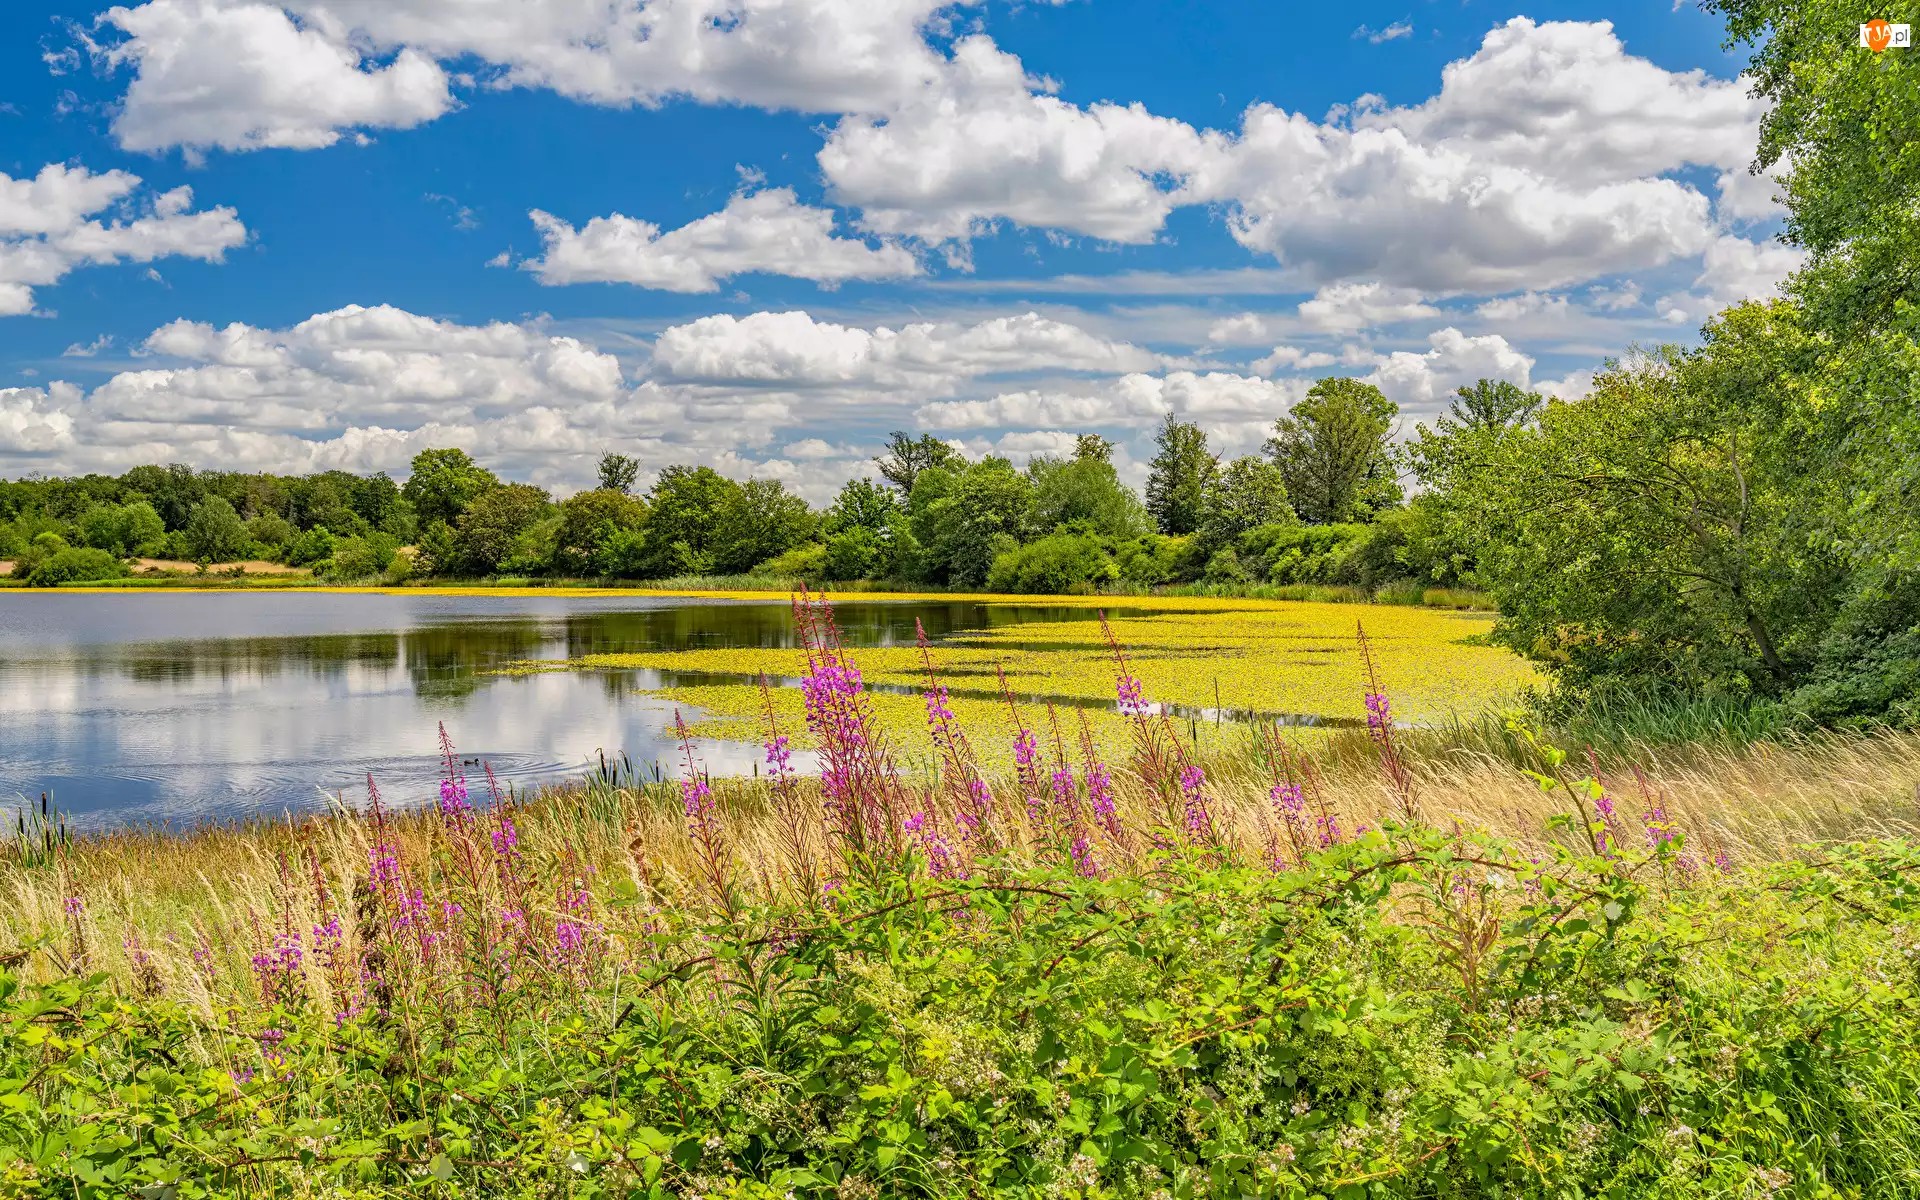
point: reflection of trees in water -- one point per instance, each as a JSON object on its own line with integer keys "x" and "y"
{"x": 445, "y": 662}
{"x": 449, "y": 659}
{"x": 227, "y": 658}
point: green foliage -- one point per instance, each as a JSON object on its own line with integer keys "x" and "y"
{"x": 1178, "y": 477}
{"x": 684, "y": 526}
{"x": 74, "y": 564}
{"x": 315, "y": 545}
{"x": 1490, "y": 405}
{"x": 1306, "y": 553}
{"x": 760, "y": 519}
{"x": 617, "y": 473}
{"x": 906, "y": 457}
{"x": 1084, "y": 492}
{"x": 1060, "y": 563}
{"x": 489, "y": 530}
{"x": 588, "y": 539}
{"x": 1332, "y": 450}
{"x": 443, "y": 483}
{"x": 215, "y": 532}
{"x": 855, "y": 552}
{"x": 861, "y": 503}
{"x": 120, "y": 529}
{"x": 962, "y": 521}
{"x": 1412, "y": 1012}
{"x": 808, "y": 562}
{"x": 1248, "y": 493}
{"x": 361, "y": 557}
{"x": 275, "y": 531}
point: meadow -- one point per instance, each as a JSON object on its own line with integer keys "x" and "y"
{"x": 1387, "y": 962}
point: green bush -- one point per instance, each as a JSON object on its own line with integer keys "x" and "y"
{"x": 360, "y": 557}
{"x": 75, "y": 564}
{"x": 1409, "y": 1012}
{"x": 853, "y": 553}
{"x": 215, "y": 532}
{"x": 313, "y": 546}
{"x": 1061, "y": 563}
{"x": 1306, "y": 553}
{"x": 802, "y": 562}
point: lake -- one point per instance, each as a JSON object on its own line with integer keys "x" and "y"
{"x": 183, "y": 707}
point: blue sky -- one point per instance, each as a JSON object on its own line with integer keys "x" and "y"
{"x": 768, "y": 231}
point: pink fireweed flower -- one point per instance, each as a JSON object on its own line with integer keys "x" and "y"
{"x": 1329, "y": 831}
{"x": 453, "y": 797}
{"x": 1083, "y": 861}
{"x": 1660, "y": 830}
{"x": 778, "y": 755}
{"x": 277, "y": 969}
{"x": 1133, "y": 702}
{"x": 1193, "y": 781}
{"x": 569, "y": 941}
{"x": 942, "y": 863}
{"x": 1100, "y": 794}
{"x": 1379, "y": 712}
{"x": 506, "y": 839}
{"x": 327, "y": 939}
{"x": 1023, "y": 748}
{"x": 75, "y": 905}
{"x": 938, "y": 709}
{"x": 697, "y": 798}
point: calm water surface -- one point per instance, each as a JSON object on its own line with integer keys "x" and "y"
{"x": 186, "y": 707}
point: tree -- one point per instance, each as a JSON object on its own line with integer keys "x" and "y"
{"x": 617, "y": 473}
{"x": 906, "y": 458}
{"x": 215, "y": 532}
{"x": 492, "y": 522}
{"x": 443, "y": 483}
{"x": 1085, "y": 492}
{"x": 686, "y": 507}
{"x": 861, "y": 504}
{"x": 173, "y": 490}
{"x": 963, "y": 520}
{"x": 1092, "y": 445}
{"x": 1492, "y": 404}
{"x": 1652, "y": 532}
{"x": 590, "y": 525}
{"x": 1249, "y": 493}
{"x": 1332, "y": 451}
{"x": 761, "y": 520}
{"x": 120, "y": 528}
{"x": 1178, "y": 475}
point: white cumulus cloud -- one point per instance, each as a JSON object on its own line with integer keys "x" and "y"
{"x": 793, "y": 348}
{"x": 768, "y": 232}
{"x": 53, "y": 223}
{"x": 244, "y": 74}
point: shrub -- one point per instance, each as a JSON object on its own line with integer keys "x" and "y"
{"x": 361, "y": 557}
{"x": 1063, "y": 562}
{"x": 801, "y": 562}
{"x": 75, "y": 564}
{"x": 315, "y": 545}
{"x": 1305, "y": 553}
{"x": 1149, "y": 560}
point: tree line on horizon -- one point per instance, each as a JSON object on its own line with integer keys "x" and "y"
{"x": 1321, "y": 504}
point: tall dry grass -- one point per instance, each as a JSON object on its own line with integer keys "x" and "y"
{"x": 187, "y": 909}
